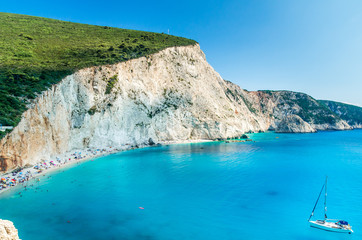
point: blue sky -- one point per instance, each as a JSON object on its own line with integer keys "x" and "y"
{"x": 311, "y": 46}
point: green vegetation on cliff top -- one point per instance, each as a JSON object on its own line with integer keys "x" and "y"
{"x": 38, "y": 52}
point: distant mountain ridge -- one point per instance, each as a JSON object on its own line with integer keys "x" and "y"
{"x": 350, "y": 113}
{"x": 288, "y": 111}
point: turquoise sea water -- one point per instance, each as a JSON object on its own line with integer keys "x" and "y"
{"x": 255, "y": 190}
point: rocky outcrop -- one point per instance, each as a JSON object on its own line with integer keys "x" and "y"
{"x": 274, "y": 108}
{"x": 280, "y": 105}
{"x": 350, "y": 113}
{"x": 171, "y": 95}
{"x": 294, "y": 124}
{"x": 8, "y": 231}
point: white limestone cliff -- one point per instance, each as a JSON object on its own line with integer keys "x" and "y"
{"x": 171, "y": 95}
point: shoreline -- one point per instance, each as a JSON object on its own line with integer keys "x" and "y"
{"x": 62, "y": 161}
{"x": 49, "y": 166}
{"x": 74, "y": 156}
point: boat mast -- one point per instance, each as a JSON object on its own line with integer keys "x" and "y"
{"x": 325, "y": 200}
{"x": 311, "y": 215}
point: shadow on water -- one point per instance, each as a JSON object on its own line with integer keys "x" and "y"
{"x": 272, "y": 193}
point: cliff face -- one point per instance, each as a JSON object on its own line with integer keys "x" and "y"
{"x": 282, "y": 106}
{"x": 286, "y": 111}
{"x": 171, "y": 95}
{"x": 8, "y": 231}
{"x": 351, "y": 114}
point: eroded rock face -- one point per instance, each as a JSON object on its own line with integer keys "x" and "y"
{"x": 273, "y": 109}
{"x": 8, "y": 231}
{"x": 171, "y": 95}
{"x": 280, "y": 105}
{"x": 294, "y": 124}
{"x": 350, "y": 113}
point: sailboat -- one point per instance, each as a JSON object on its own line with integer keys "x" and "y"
{"x": 332, "y": 225}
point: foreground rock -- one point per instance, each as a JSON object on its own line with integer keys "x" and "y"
{"x": 8, "y": 231}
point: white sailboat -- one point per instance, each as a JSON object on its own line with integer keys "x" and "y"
{"x": 332, "y": 225}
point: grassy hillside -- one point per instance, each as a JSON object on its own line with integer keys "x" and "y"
{"x": 38, "y": 52}
{"x": 350, "y": 113}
